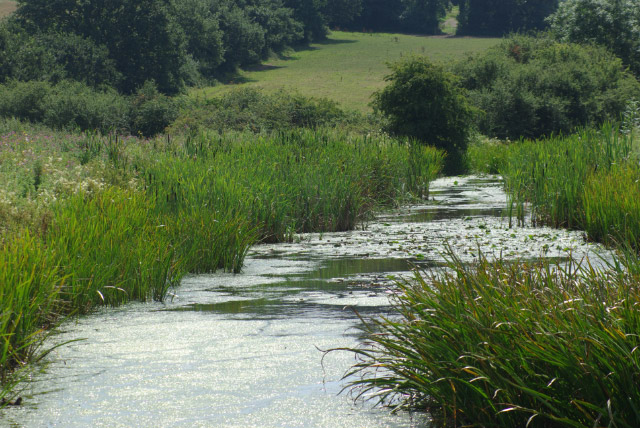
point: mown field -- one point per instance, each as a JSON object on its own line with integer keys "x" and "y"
{"x": 348, "y": 67}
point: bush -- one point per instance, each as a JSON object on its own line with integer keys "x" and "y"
{"x": 529, "y": 87}
{"x": 24, "y": 100}
{"x": 251, "y": 109}
{"x": 67, "y": 105}
{"x": 614, "y": 24}
{"x": 75, "y": 105}
{"x": 425, "y": 102}
{"x": 504, "y": 344}
{"x": 151, "y": 111}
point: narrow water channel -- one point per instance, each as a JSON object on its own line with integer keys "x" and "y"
{"x": 243, "y": 350}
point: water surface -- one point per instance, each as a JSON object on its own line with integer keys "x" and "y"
{"x": 244, "y": 350}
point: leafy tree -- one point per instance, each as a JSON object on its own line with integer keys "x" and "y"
{"x": 530, "y": 87}
{"x": 425, "y": 102}
{"x": 23, "y": 58}
{"x": 203, "y": 34}
{"x": 244, "y": 39}
{"x": 280, "y": 27}
{"x": 409, "y": 16}
{"x": 341, "y": 13}
{"x": 142, "y": 36}
{"x": 310, "y": 14}
{"x": 422, "y": 16}
{"x": 614, "y": 24}
{"x": 498, "y": 17}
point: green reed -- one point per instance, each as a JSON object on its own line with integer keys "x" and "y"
{"x": 553, "y": 176}
{"x": 510, "y": 345}
{"x": 102, "y": 220}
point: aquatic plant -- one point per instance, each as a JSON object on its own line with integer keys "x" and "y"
{"x": 506, "y": 344}
{"x": 102, "y": 220}
{"x": 587, "y": 181}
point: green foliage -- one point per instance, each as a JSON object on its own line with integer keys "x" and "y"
{"x": 503, "y": 344}
{"x": 254, "y": 110}
{"x": 73, "y": 105}
{"x": 405, "y": 16}
{"x": 151, "y": 111}
{"x": 529, "y": 87}
{"x": 614, "y": 24}
{"x": 309, "y": 13}
{"x": 499, "y": 17}
{"x": 587, "y": 181}
{"x": 142, "y": 38}
{"x": 22, "y": 57}
{"x": 24, "y": 100}
{"x": 203, "y": 33}
{"x": 486, "y": 155}
{"x": 425, "y": 102}
{"x": 67, "y": 105}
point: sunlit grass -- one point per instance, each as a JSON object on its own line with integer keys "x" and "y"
{"x": 102, "y": 220}
{"x": 505, "y": 344}
{"x": 348, "y": 67}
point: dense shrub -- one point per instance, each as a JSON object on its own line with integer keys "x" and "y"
{"x": 24, "y": 100}
{"x": 425, "y": 102}
{"x": 528, "y": 87}
{"x": 251, "y": 109}
{"x": 75, "y": 105}
{"x": 151, "y": 111}
{"x": 614, "y": 24}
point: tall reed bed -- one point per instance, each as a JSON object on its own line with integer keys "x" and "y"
{"x": 288, "y": 182}
{"x": 587, "y": 181}
{"x": 501, "y": 344}
{"x": 156, "y": 209}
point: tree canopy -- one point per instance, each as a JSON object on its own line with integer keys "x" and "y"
{"x": 499, "y": 17}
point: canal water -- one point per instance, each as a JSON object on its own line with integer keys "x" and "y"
{"x": 245, "y": 350}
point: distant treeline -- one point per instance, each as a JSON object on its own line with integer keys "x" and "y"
{"x": 175, "y": 43}
{"x": 179, "y": 43}
{"x": 476, "y": 17}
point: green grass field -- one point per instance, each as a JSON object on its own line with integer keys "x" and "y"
{"x": 7, "y": 7}
{"x": 348, "y": 67}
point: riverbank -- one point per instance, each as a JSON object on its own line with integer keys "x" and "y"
{"x": 241, "y": 350}
{"x": 92, "y": 220}
{"x": 533, "y": 342}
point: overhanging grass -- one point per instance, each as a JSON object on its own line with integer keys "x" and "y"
{"x": 510, "y": 345}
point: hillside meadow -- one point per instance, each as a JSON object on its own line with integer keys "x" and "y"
{"x": 347, "y": 67}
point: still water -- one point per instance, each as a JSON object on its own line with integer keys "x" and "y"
{"x": 245, "y": 350}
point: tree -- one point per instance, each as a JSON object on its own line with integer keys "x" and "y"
{"x": 407, "y": 16}
{"x": 142, "y": 36}
{"x": 614, "y": 24}
{"x": 535, "y": 86}
{"x": 499, "y": 17}
{"x": 203, "y": 34}
{"x": 309, "y": 13}
{"x": 341, "y": 13}
{"x": 425, "y": 102}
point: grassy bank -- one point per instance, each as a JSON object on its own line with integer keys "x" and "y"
{"x": 505, "y": 344}
{"x": 91, "y": 220}
{"x": 348, "y": 67}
